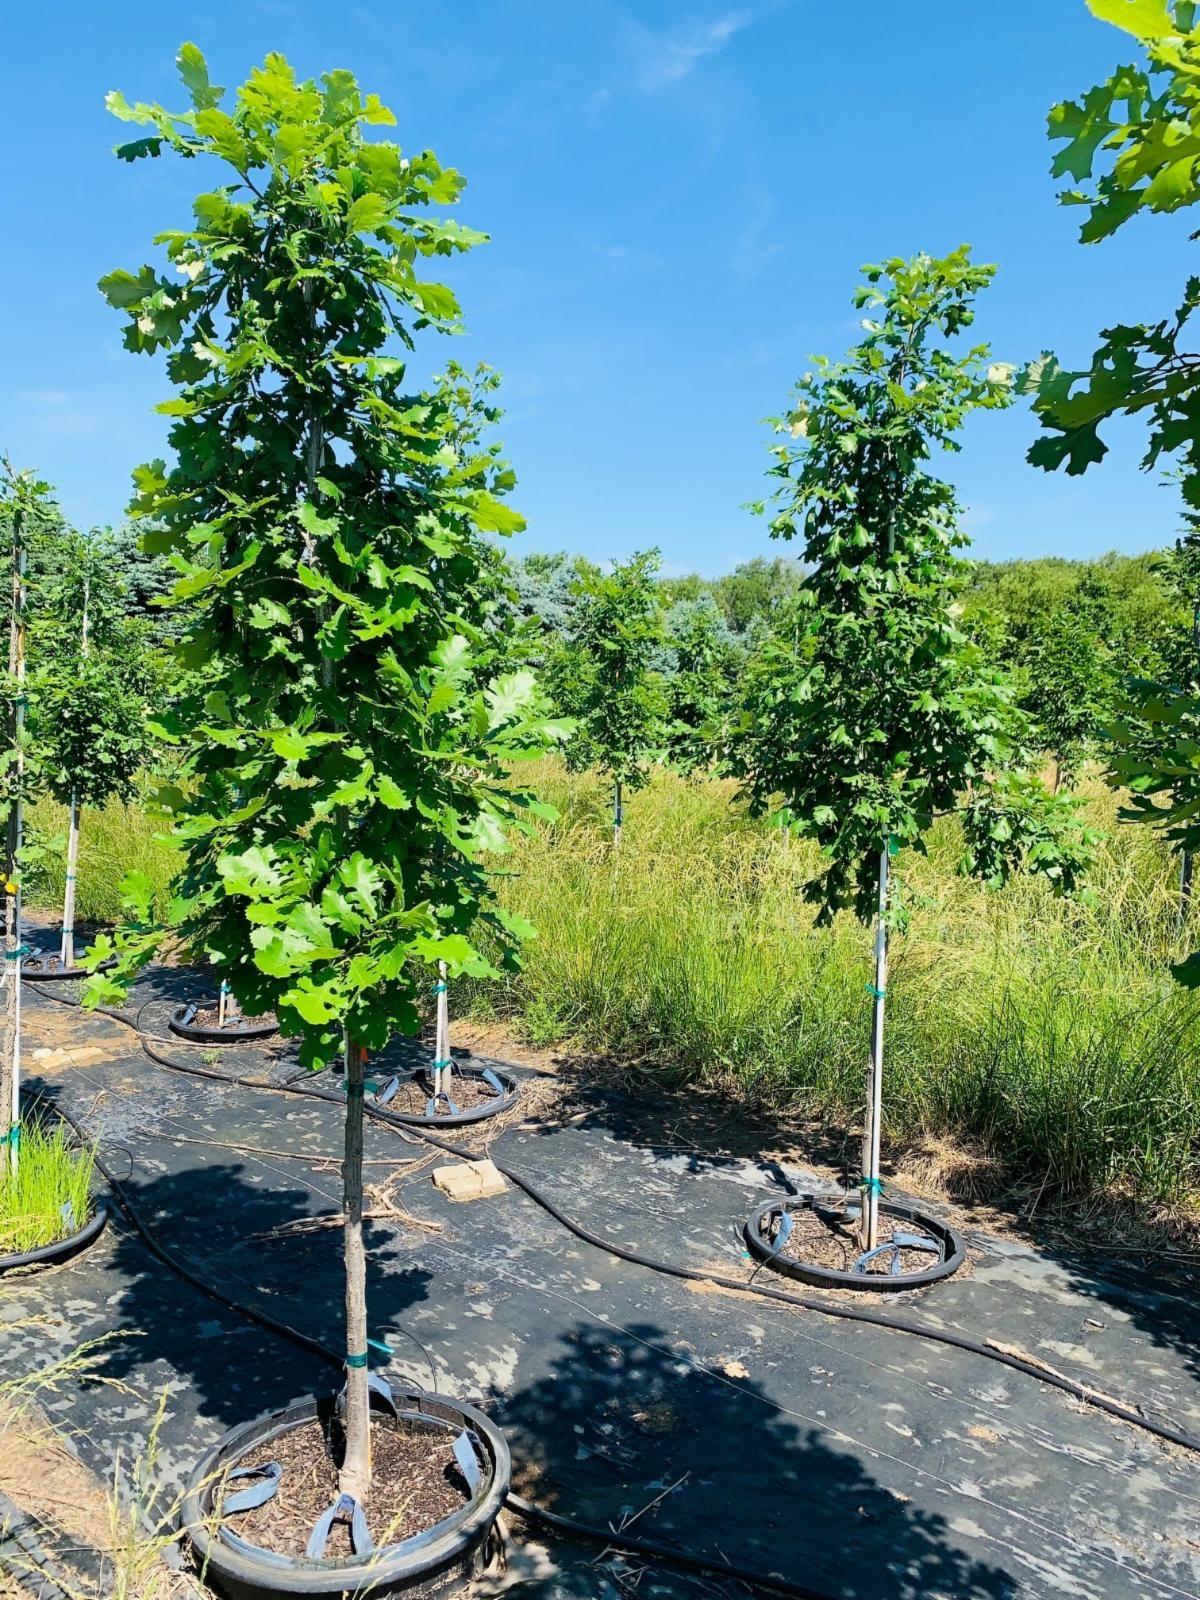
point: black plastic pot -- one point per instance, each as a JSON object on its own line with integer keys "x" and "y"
{"x": 62, "y": 1249}
{"x": 180, "y": 1022}
{"x": 760, "y": 1233}
{"x": 60, "y": 974}
{"x": 509, "y": 1090}
{"x": 436, "y": 1562}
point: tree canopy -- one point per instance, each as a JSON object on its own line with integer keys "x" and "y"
{"x": 344, "y": 748}
{"x": 871, "y": 710}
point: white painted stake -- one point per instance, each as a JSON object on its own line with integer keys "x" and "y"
{"x": 870, "y": 1210}
{"x": 222, "y": 1003}
{"x": 442, "y": 1042}
{"x": 67, "y": 948}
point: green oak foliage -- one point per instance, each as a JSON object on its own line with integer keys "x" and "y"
{"x": 1157, "y": 760}
{"x": 605, "y": 675}
{"x": 704, "y": 658}
{"x": 89, "y": 723}
{"x": 869, "y": 710}
{"x": 1131, "y": 144}
{"x": 344, "y": 751}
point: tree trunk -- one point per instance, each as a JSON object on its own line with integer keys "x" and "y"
{"x": 355, "y": 1475}
{"x": 1186, "y": 870}
{"x": 10, "y": 1051}
{"x": 870, "y": 1210}
{"x": 67, "y": 948}
{"x": 618, "y": 815}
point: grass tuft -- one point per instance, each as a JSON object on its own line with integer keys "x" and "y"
{"x": 52, "y": 1172}
{"x": 114, "y": 839}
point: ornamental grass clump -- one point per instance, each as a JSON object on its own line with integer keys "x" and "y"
{"x": 47, "y": 1196}
{"x": 343, "y": 755}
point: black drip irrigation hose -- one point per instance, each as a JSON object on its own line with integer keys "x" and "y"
{"x": 651, "y": 1549}
{"x": 828, "y": 1308}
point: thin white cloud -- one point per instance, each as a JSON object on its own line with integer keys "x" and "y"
{"x": 667, "y": 58}
{"x": 630, "y": 256}
{"x": 752, "y": 247}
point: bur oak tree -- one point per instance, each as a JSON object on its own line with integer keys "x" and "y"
{"x": 871, "y": 712}
{"x": 345, "y": 748}
{"x": 1132, "y": 145}
{"x": 605, "y": 675}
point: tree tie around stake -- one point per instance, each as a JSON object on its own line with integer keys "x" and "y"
{"x": 872, "y": 1186}
{"x": 21, "y": 950}
{"x": 878, "y": 993}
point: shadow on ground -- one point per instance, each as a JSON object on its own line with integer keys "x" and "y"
{"x": 625, "y": 1423}
{"x": 244, "y": 1240}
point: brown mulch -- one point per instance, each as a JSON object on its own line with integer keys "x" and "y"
{"x": 413, "y": 1094}
{"x": 209, "y": 1017}
{"x": 837, "y": 1246}
{"x": 415, "y": 1482}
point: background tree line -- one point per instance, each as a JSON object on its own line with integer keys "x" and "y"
{"x": 1071, "y": 633}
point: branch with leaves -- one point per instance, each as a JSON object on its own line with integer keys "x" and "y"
{"x": 870, "y": 711}
{"x": 345, "y": 750}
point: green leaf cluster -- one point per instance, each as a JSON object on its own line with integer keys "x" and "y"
{"x": 345, "y": 744}
{"x": 870, "y": 710}
{"x": 1132, "y": 144}
{"x": 605, "y": 674}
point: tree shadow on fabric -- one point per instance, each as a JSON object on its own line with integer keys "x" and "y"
{"x": 621, "y": 1420}
{"x": 260, "y": 1244}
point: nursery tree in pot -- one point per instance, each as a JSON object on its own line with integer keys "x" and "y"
{"x": 344, "y": 751}
{"x": 92, "y": 679}
{"x": 606, "y": 676}
{"x": 870, "y": 712}
{"x": 24, "y": 501}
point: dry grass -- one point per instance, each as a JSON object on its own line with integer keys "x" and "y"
{"x": 1047, "y": 1037}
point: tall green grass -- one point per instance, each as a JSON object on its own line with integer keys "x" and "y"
{"x": 1050, "y": 1034}
{"x": 51, "y": 1173}
{"x": 114, "y": 839}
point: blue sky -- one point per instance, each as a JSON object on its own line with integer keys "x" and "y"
{"x": 679, "y": 198}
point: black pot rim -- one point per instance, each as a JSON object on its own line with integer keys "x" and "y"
{"x": 64, "y": 973}
{"x": 464, "y": 1530}
{"x": 61, "y": 1249}
{"x": 870, "y": 1282}
{"x": 490, "y": 1108}
{"x": 210, "y": 1035}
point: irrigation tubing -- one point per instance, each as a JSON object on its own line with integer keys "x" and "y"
{"x": 828, "y": 1308}
{"x": 648, "y": 1548}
